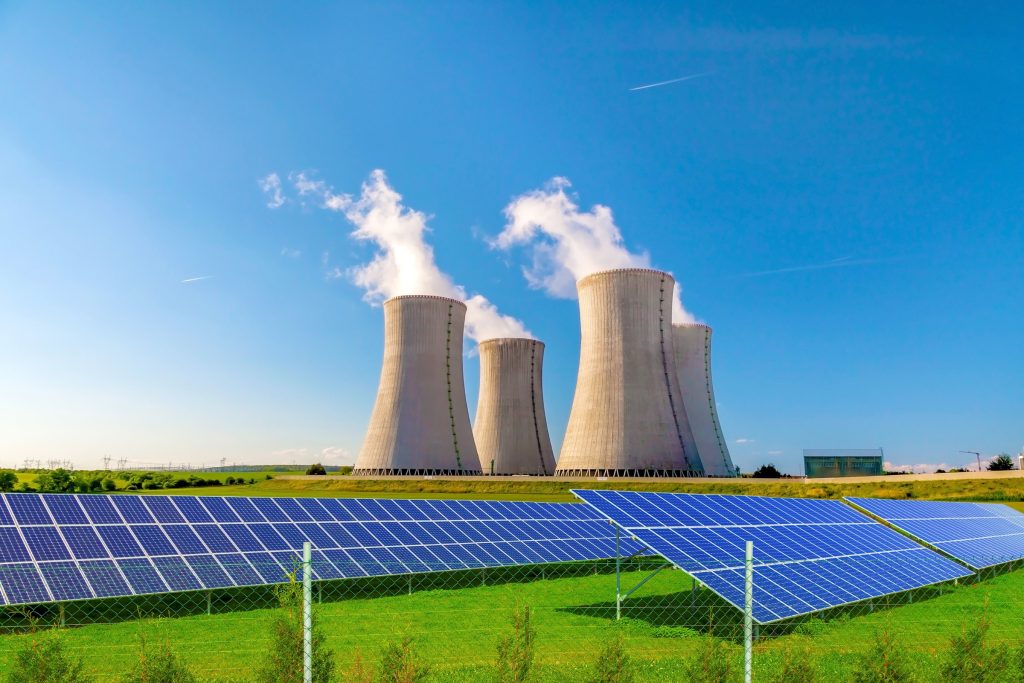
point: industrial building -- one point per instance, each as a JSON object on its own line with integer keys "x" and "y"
{"x": 839, "y": 462}
{"x": 510, "y": 428}
{"x": 627, "y": 416}
{"x": 420, "y": 420}
{"x": 692, "y": 345}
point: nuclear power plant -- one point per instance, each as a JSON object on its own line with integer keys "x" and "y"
{"x": 692, "y": 343}
{"x": 420, "y": 420}
{"x": 627, "y": 417}
{"x": 510, "y": 428}
{"x": 644, "y": 404}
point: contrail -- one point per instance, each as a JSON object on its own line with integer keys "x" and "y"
{"x": 843, "y": 262}
{"x": 195, "y": 279}
{"x": 674, "y": 80}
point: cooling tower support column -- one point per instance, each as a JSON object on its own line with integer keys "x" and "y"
{"x": 420, "y": 420}
{"x": 693, "y": 362}
{"x": 511, "y": 430}
{"x": 627, "y": 416}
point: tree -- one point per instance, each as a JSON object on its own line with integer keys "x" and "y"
{"x": 885, "y": 662}
{"x": 56, "y": 481}
{"x": 283, "y": 660}
{"x": 796, "y": 666}
{"x": 398, "y": 664}
{"x": 316, "y": 468}
{"x": 768, "y": 471}
{"x": 712, "y": 662}
{"x": 1001, "y": 463}
{"x": 970, "y": 659}
{"x": 158, "y": 665}
{"x": 613, "y": 664}
{"x": 515, "y": 650}
{"x": 7, "y": 480}
{"x": 45, "y": 660}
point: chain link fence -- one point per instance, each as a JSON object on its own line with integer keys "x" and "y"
{"x": 631, "y": 619}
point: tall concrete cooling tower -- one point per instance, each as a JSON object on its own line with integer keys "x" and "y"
{"x": 627, "y": 416}
{"x": 420, "y": 421}
{"x": 693, "y": 362}
{"x": 510, "y": 428}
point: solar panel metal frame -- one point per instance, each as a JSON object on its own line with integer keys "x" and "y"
{"x": 735, "y": 565}
{"x": 955, "y": 511}
{"x": 184, "y": 559}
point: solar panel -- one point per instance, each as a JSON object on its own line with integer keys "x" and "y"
{"x": 809, "y": 555}
{"x": 978, "y": 534}
{"x": 56, "y": 547}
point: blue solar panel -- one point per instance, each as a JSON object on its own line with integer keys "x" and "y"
{"x": 809, "y": 554}
{"x": 105, "y": 546}
{"x": 978, "y": 534}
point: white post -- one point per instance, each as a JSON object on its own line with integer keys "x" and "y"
{"x": 307, "y": 613}
{"x": 748, "y": 613}
{"x": 618, "y": 577}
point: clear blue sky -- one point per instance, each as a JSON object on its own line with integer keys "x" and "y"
{"x": 880, "y": 142}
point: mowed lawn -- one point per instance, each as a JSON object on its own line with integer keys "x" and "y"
{"x": 456, "y": 630}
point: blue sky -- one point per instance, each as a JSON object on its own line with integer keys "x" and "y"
{"x": 840, "y": 197}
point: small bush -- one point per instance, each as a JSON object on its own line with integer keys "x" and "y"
{"x": 886, "y": 662}
{"x": 316, "y": 468}
{"x": 359, "y": 672}
{"x": 515, "y": 650}
{"x": 712, "y": 662}
{"x": 613, "y": 664}
{"x": 158, "y": 665}
{"x": 797, "y": 665}
{"x": 398, "y": 664}
{"x": 45, "y": 660}
{"x": 284, "y": 656}
{"x": 970, "y": 659}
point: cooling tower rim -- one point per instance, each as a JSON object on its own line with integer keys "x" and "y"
{"x": 510, "y": 340}
{"x": 694, "y": 326}
{"x": 613, "y": 271}
{"x": 434, "y": 297}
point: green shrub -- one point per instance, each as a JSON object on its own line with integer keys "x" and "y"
{"x": 8, "y": 480}
{"x": 359, "y": 672}
{"x": 158, "y": 665}
{"x": 796, "y": 666}
{"x": 712, "y": 662}
{"x": 316, "y": 468}
{"x": 398, "y": 664}
{"x": 970, "y": 659}
{"x": 613, "y": 664}
{"x": 283, "y": 662}
{"x": 515, "y": 650}
{"x": 886, "y": 662}
{"x": 43, "y": 659}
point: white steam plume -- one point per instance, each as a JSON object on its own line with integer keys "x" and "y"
{"x": 404, "y": 262}
{"x": 568, "y": 244}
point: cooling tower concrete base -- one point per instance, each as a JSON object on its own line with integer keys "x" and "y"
{"x": 510, "y": 429}
{"x": 692, "y": 344}
{"x": 420, "y": 420}
{"x": 627, "y": 416}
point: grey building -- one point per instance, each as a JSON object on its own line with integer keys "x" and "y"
{"x": 843, "y": 462}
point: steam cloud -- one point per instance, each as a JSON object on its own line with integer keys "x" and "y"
{"x": 567, "y": 244}
{"x": 404, "y": 262}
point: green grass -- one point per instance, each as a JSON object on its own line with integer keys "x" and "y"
{"x": 456, "y": 630}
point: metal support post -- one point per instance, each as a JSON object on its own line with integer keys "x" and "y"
{"x": 209, "y": 603}
{"x": 618, "y": 577}
{"x": 410, "y": 584}
{"x": 307, "y": 613}
{"x": 748, "y": 613}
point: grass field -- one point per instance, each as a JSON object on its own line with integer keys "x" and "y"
{"x": 456, "y": 630}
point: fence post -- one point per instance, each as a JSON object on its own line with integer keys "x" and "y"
{"x": 618, "y": 578}
{"x": 748, "y": 613}
{"x": 307, "y": 613}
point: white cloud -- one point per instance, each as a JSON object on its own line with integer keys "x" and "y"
{"x": 404, "y": 261}
{"x": 774, "y": 452}
{"x": 271, "y": 186}
{"x": 291, "y": 253}
{"x": 336, "y": 455}
{"x": 567, "y": 244}
{"x": 744, "y": 440}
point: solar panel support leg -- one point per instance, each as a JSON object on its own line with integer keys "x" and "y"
{"x": 618, "y": 577}
{"x": 209, "y": 603}
{"x": 307, "y": 613}
{"x": 748, "y": 612}
{"x": 410, "y": 584}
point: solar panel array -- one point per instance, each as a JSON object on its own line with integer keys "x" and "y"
{"x": 809, "y": 555}
{"x": 979, "y": 534}
{"x": 56, "y": 547}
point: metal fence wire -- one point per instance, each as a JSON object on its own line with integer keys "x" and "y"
{"x": 625, "y": 618}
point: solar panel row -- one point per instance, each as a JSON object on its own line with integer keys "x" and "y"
{"x": 69, "y": 547}
{"x": 809, "y": 554}
{"x": 979, "y": 534}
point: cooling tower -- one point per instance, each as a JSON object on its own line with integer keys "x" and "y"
{"x": 627, "y": 416}
{"x": 420, "y": 421}
{"x": 692, "y": 344}
{"x": 510, "y": 428}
